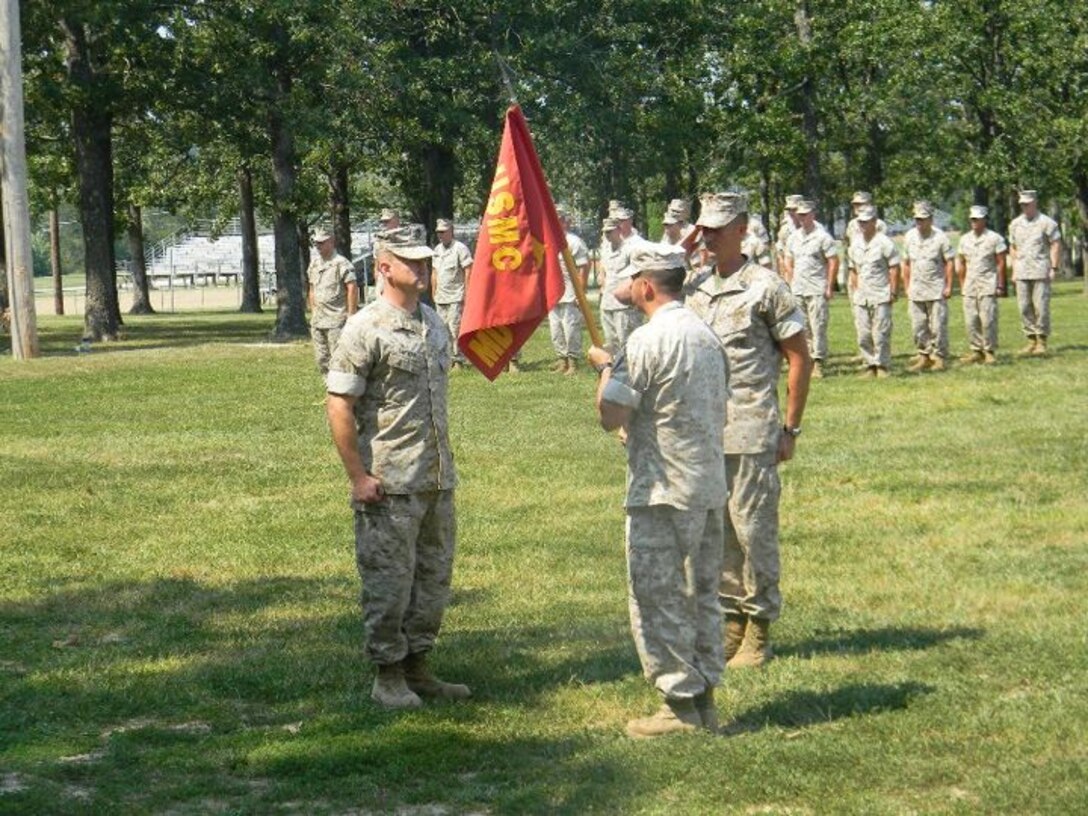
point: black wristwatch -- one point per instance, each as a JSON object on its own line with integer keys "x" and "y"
{"x": 794, "y": 432}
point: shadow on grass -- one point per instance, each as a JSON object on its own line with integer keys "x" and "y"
{"x": 164, "y": 331}
{"x": 890, "y": 638}
{"x": 257, "y": 692}
{"x": 798, "y": 709}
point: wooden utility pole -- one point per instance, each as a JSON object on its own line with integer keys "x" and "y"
{"x": 16, "y": 204}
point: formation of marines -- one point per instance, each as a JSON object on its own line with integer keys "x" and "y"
{"x": 697, "y": 328}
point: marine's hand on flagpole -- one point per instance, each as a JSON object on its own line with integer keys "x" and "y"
{"x": 598, "y": 356}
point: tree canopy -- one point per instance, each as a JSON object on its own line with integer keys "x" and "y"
{"x": 362, "y": 104}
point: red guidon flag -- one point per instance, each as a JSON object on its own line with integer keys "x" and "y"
{"x": 516, "y": 278}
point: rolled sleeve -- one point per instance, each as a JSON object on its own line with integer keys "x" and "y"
{"x": 344, "y": 383}
{"x": 621, "y": 389}
{"x": 620, "y": 393}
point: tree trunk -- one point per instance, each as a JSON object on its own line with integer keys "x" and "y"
{"x": 290, "y": 311}
{"x": 439, "y": 179}
{"x": 91, "y": 125}
{"x": 809, "y": 117}
{"x": 54, "y": 260}
{"x": 340, "y": 207}
{"x": 303, "y": 252}
{"x": 251, "y": 273}
{"x": 141, "y": 298}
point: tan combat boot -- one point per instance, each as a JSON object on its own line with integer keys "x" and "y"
{"x": 708, "y": 712}
{"x": 882, "y": 373}
{"x": 756, "y": 649}
{"x": 972, "y": 357}
{"x": 422, "y": 682}
{"x": 560, "y": 366}
{"x": 817, "y": 370}
{"x": 734, "y": 633}
{"x": 869, "y": 373}
{"x": 513, "y": 367}
{"x": 936, "y": 363}
{"x": 919, "y": 363}
{"x": 674, "y": 717}
{"x": 1029, "y": 347}
{"x": 572, "y": 367}
{"x": 1040, "y": 344}
{"x": 391, "y": 691}
{"x": 988, "y": 357}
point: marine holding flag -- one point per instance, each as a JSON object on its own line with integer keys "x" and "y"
{"x": 669, "y": 390}
{"x": 516, "y": 278}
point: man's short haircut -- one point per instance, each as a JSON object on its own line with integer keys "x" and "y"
{"x": 669, "y": 281}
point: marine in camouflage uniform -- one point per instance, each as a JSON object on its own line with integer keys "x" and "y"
{"x": 980, "y": 258}
{"x": 812, "y": 261}
{"x": 565, "y": 319}
{"x": 1035, "y": 244}
{"x": 927, "y": 277}
{"x": 788, "y": 223}
{"x": 754, "y": 314}
{"x": 874, "y": 280}
{"x": 387, "y": 411}
{"x": 450, "y": 267}
{"x": 617, "y": 319}
{"x": 669, "y": 390}
{"x": 853, "y": 228}
{"x": 333, "y": 297}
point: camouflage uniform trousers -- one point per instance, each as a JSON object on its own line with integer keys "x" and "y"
{"x": 404, "y": 553}
{"x": 324, "y": 343}
{"x": 980, "y": 315}
{"x": 450, "y": 315}
{"x": 874, "y": 325}
{"x": 815, "y": 310}
{"x": 749, "y": 580}
{"x": 929, "y": 323}
{"x": 565, "y": 323}
{"x": 1033, "y": 298}
{"x": 674, "y": 561}
{"x": 618, "y": 325}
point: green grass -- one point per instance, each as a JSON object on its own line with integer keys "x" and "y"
{"x": 179, "y": 630}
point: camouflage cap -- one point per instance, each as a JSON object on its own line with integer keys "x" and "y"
{"x": 670, "y": 218}
{"x": 862, "y": 197}
{"x": 609, "y": 223}
{"x": 806, "y": 206}
{"x": 681, "y": 207}
{"x": 443, "y": 224}
{"x": 923, "y": 209}
{"x": 388, "y": 214}
{"x": 321, "y": 236}
{"x": 792, "y": 200}
{"x": 978, "y": 211}
{"x": 656, "y": 258}
{"x": 721, "y": 209}
{"x": 866, "y": 212}
{"x": 621, "y": 214}
{"x": 1027, "y": 197}
{"x": 404, "y": 242}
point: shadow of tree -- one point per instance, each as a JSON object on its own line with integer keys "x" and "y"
{"x": 798, "y": 709}
{"x": 163, "y": 331}
{"x": 257, "y": 691}
{"x": 890, "y": 638}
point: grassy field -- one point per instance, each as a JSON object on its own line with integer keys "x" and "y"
{"x": 179, "y": 630}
